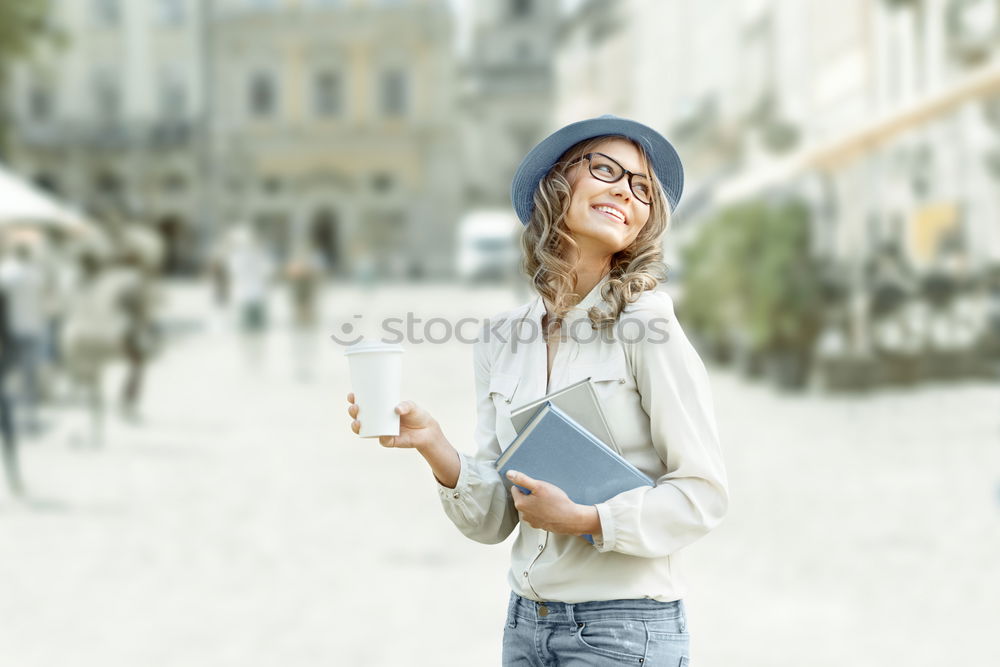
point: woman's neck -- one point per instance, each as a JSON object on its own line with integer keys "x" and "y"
{"x": 587, "y": 275}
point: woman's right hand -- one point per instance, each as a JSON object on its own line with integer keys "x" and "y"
{"x": 417, "y": 429}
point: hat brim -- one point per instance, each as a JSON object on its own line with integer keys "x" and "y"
{"x": 539, "y": 160}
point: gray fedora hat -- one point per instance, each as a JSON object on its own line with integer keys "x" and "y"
{"x": 538, "y": 161}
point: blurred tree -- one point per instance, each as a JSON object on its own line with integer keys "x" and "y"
{"x": 24, "y": 25}
{"x": 753, "y": 283}
{"x": 784, "y": 278}
{"x": 715, "y": 296}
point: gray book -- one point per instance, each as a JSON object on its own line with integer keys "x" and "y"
{"x": 579, "y": 401}
{"x": 555, "y": 449}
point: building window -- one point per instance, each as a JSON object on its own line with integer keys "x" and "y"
{"x": 107, "y": 96}
{"x": 107, "y": 184}
{"x": 174, "y": 182}
{"x": 328, "y": 94}
{"x": 170, "y": 12}
{"x": 520, "y": 8}
{"x": 271, "y": 185}
{"x": 393, "y": 93}
{"x": 382, "y": 182}
{"x": 173, "y": 98}
{"x": 262, "y": 95}
{"x": 106, "y": 12}
{"x": 40, "y": 103}
{"x": 522, "y": 51}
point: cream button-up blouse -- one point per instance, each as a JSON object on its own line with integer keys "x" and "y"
{"x": 654, "y": 391}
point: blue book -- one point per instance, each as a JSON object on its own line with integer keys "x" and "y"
{"x": 555, "y": 449}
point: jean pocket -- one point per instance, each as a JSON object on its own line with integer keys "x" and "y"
{"x": 667, "y": 648}
{"x": 619, "y": 639}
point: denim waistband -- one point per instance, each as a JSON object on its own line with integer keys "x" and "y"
{"x": 582, "y": 612}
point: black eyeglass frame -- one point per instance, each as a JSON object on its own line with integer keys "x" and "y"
{"x": 625, "y": 172}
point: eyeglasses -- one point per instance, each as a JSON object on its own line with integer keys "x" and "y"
{"x": 607, "y": 169}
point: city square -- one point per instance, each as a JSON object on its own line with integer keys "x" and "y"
{"x": 240, "y": 522}
{"x": 204, "y": 202}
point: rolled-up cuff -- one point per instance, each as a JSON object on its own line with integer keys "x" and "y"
{"x": 461, "y": 490}
{"x": 606, "y": 541}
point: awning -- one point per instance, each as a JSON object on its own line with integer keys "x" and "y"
{"x": 862, "y": 140}
{"x": 23, "y": 203}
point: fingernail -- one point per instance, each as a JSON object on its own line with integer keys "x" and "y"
{"x": 511, "y": 474}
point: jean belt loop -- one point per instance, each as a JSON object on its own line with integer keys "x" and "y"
{"x": 511, "y": 615}
{"x": 570, "y": 617}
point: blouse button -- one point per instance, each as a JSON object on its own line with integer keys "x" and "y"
{"x": 621, "y": 380}
{"x": 455, "y": 495}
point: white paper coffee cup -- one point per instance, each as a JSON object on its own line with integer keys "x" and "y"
{"x": 376, "y": 379}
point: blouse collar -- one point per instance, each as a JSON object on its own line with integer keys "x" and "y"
{"x": 537, "y": 309}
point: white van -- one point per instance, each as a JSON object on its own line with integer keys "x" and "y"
{"x": 488, "y": 245}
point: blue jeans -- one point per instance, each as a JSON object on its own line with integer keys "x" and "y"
{"x": 614, "y": 632}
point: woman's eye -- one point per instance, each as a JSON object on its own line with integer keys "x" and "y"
{"x": 604, "y": 169}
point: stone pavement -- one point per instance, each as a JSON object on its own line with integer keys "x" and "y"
{"x": 241, "y": 523}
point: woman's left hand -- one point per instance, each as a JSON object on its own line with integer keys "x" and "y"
{"x": 548, "y": 508}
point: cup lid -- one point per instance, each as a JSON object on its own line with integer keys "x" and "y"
{"x": 365, "y": 346}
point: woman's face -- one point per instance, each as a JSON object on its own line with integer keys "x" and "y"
{"x": 604, "y": 218}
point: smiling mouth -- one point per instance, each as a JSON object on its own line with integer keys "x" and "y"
{"x": 612, "y": 213}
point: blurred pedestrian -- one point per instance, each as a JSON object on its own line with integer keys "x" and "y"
{"x": 22, "y": 277}
{"x": 992, "y": 314}
{"x": 140, "y": 337}
{"x": 595, "y": 198}
{"x": 60, "y": 276}
{"x": 92, "y": 336}
{"x": 219, "y": 275}
{"x": 137, "y": 266}
{"x": 304, "y": 274}
{"x": 896, "y": 329}
{"x": 250, "y": 271}
{"x": 11, "y": 461}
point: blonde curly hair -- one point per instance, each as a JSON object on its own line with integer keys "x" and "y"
{"x": 548, "y": 248}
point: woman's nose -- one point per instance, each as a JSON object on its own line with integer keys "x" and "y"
{"x": 620, "y": 189}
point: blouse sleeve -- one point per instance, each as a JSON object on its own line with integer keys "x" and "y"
{"x": 691, "y": 498}
{"x": 480, "y": 505}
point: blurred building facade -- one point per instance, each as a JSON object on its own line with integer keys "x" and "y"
{"x": 111, "y": 120}
{"x": 334, "y": 128}
{"x": 884, "y": 115}
{"x": 327, "y": 124}
{"x": 507, "y": 92}
{"x": 759, "y": 92}
{"x": 671, "y": 65}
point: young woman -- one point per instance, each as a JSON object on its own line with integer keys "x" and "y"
{"x": 595, "y": 197}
